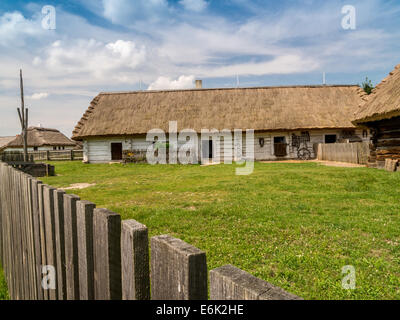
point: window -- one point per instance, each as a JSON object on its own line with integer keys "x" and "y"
{"x": 54, "y": 148}
{"x": 330, "y": 138}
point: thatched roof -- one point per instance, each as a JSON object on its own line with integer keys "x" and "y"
{"x": 383, "y": 102}
{"x": 39, "y": 137}
{"x": 261, "y": 109}
{"x": 5, "y": 140}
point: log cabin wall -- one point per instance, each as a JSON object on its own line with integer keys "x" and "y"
{"x": 385, "y": 141}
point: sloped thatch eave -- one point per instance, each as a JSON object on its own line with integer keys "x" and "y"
{"x": 384, "y": 101}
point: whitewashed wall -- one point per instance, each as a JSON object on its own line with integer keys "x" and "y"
{"x": 99, "y": 150}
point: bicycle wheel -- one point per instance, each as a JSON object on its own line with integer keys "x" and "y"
{"x": 304, "y": 154}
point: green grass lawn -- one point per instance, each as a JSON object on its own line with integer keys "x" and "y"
{"x": 294, "y": 225}
{"x": 3, "y": 286}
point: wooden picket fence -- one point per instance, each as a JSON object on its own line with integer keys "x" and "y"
{"x": 54, "y": 246}
{"x": 55, "y": 155}
{"x": 356, "y": 153}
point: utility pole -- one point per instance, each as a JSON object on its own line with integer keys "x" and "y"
{"x": 23, "y": 118}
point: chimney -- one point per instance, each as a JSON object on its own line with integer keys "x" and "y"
{"x": 199, "y": 84}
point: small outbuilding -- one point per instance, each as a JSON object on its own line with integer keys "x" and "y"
{"x": 381, "y": 113}
{"x": 288, "y": 122}
{"x": 40, "y": 139}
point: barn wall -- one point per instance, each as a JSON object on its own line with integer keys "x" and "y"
{"x": 386, "y": 141}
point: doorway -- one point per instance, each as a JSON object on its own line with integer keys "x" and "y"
{"x": 280, "y": 147}
{"x": 116, "y": 151}
{"x": 207, "y": 149}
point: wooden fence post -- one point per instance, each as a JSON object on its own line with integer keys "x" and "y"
{"x": 178, "y": 270}
{"x": 85, "y": 249}
{"x": 60, "y": 243}
{"x": 231, "y": 283}
{"x": 135, "y": 261}
{"x": 71, "y": 247}
{"x": 43, "y": 244}
{"x": 107, "y": 255}
{"x": 37, "y": 237}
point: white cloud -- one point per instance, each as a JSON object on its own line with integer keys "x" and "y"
{"x": 165, "y": 83}
{"x": 14, "y": 28}
{"x": 194, "y": 5}
{"x": 101, "y": 60}
{"x": 39, "y": 96}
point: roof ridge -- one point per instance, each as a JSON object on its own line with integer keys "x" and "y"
{"x": 223, "y": 89}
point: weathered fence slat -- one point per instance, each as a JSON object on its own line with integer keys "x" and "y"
{"x": 43, "y": 244}
{"x": 107, "y": 255}
{"x": 135, "y": 261}
{"x": 178, "y": 270}
{"x": 84, "y": 216}
{"x": 71, "y": 247}
{"x": 48, "y": 207}
{"x": 231, "y": 283}
{"x": 60, "y": 243}
{"x": 37, "y": 239}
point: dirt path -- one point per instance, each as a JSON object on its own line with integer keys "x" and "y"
{"x": 324, "y": 163}
{"x": 79, "y": 186}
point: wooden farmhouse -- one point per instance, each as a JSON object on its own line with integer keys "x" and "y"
{"x": 381, "y": 113}
{"x": 41, "y": 139}
{"x": 286, "y": 121}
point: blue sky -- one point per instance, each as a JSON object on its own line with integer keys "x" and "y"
{"x": 114, "y": 45}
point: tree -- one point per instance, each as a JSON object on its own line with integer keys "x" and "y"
{"x": 367, "y": 86}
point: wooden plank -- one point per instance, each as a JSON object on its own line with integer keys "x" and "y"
{"x": 43, "y": 243}
{"x": 231, "y": 283}
{"x": 60, "y": 243}
{"x": 391, "y": 165}
{"x": 71, "y": 247}
{"x": 135, "y": 261}
{"x": 178, "y": 270}
{"x": 37, "y": 238}
{"x": 85, "y": 249}
{"x": 107, "y": 255}
{"x": 51, "y": 249}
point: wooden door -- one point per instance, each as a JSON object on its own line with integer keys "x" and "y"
{"x": 280, "y": 147}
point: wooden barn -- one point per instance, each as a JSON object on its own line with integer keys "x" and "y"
{"x": 381, "y": 113}
{"x": 288, "y": 121}
{"x": 41, "y": 139}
